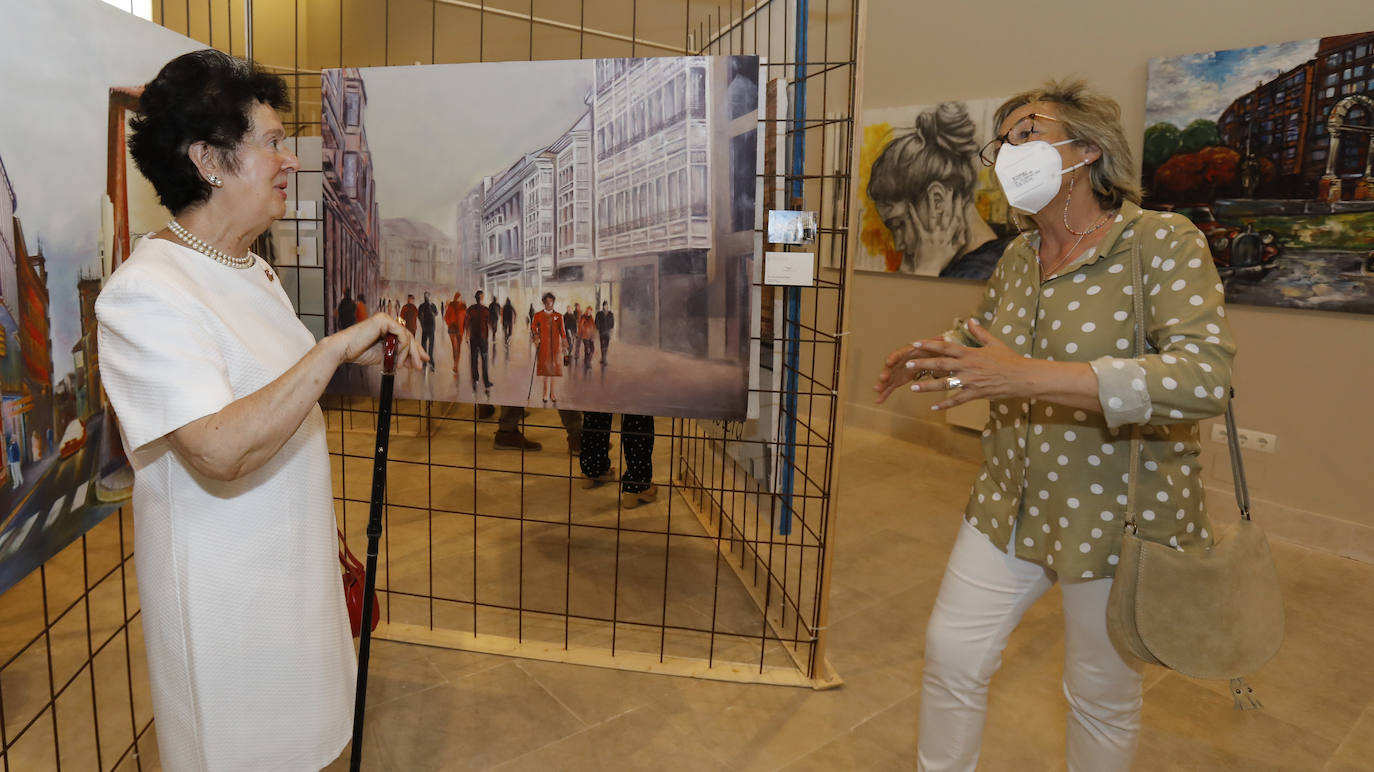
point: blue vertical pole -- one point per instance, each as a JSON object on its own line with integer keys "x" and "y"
{"x": 792, "y": 295}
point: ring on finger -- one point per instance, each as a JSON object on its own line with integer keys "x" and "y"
{"x": 954, "y": 382}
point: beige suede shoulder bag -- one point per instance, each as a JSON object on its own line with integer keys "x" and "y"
{"x": 1215, "y": 613}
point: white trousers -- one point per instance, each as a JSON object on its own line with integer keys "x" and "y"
{"x": 983, "y": 595}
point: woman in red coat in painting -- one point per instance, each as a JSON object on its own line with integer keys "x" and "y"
{"x": 550, "y": 339}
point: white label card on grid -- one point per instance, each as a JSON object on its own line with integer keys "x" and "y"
{"x": 790, "y": 269}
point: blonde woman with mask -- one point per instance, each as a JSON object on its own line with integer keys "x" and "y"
{"x": 1051, "y": 347}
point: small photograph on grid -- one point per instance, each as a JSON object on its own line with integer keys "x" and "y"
{"x": 787, "y": 226}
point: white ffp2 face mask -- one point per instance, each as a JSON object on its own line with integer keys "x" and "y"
{"x": 1031, "y": 173}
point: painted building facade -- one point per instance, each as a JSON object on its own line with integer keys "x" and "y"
{"x": 417, "y": 258}
{"x": 676, "y": 240}
{"x": 573, "y": 208}
{"x": 352, "y": 220}
{"x": 1289, "y": 121}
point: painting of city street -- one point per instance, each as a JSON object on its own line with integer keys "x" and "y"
{"x": 66, "y": 214}
{"x": 1269, "y": 150}
{"x": 572, "y": 234}
{"x": 927, "y": 205}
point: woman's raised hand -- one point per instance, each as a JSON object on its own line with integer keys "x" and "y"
{"x": 363, "y": 342}
{"x": 989, "y": 371}
{"x": 902, "y": 366}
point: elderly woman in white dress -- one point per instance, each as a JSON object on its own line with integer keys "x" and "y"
{"x": 215, "y": 383}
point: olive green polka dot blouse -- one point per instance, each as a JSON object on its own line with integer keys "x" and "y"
{"x": 1057, "y": 476}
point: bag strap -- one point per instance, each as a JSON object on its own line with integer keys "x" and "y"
{"x": 1237, "y": 466}
{"x": 346, "y": 556}
{"x": 1138, "y": 304}
{"x": 1232, "y": 443}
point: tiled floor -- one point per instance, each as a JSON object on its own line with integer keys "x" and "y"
{"x": 434, "y": 709}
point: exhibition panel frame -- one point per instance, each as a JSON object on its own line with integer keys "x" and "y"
{"x": 725, "y": 577}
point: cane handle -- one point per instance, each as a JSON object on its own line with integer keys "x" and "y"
{"x": 389, "y": 353}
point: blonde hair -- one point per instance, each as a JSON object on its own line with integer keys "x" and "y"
{"x": 1093, "y": 118}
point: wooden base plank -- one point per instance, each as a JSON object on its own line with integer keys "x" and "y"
{"x": 595, "y": 657}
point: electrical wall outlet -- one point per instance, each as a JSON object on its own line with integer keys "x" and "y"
{"x": 1248, "y": 439}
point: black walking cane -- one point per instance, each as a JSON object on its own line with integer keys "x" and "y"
{"x": 374, "y": 536}
{"x": 534, "y": 368}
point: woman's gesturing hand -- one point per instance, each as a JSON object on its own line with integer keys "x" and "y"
{"x": 903, "y": 365}
{"x": 363, "y": 342}
{"x": 991, "y": 371}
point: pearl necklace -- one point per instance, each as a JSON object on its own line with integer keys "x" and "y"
{"x": 219, "y": 256}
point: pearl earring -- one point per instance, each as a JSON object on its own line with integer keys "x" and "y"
{"x": 215, "y": 180}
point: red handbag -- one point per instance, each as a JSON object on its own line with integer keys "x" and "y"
{"x": 354, "y": 574}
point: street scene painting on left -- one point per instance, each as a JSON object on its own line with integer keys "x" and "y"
{"x": 70, "y": 201}
{"x": 571, "y": 234}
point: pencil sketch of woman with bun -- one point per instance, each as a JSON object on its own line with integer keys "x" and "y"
{"x": 923, "y": 184}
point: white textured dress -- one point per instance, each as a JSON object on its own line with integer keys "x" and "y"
{"x": 250, "y": 654}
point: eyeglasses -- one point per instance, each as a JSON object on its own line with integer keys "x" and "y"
{"x": 1024, "y": 131}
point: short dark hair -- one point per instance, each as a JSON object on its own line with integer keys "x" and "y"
{"x": 477, "y": 295}
{"x": 204, "y": 96}
{"x": 547, "y": 296}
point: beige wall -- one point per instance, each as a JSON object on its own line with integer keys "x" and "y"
{"x": 1304, "y": 376}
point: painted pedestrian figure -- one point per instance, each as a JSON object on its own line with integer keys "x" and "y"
{"x": 478, "y": 327}
{"x": 409, "y": 313}
{"x": 605, "y": 322}
{"x": 494, "y": 317}
{"x": 360, "y": 311}
{"x": 586, "y": 333}
{"x": 15, "y": 457}
{"x": 550, "y": 335}
{"x": 508, "y": 322}
{"x": 529, "y": 324}
{"x": 570, "y": 316}
{"x": 427, "y": 314}
{"x": 347, "y": 312}
{"x": 455, "y": 316}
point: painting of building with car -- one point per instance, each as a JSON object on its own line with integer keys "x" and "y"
{"x": 1269, "y": 151}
